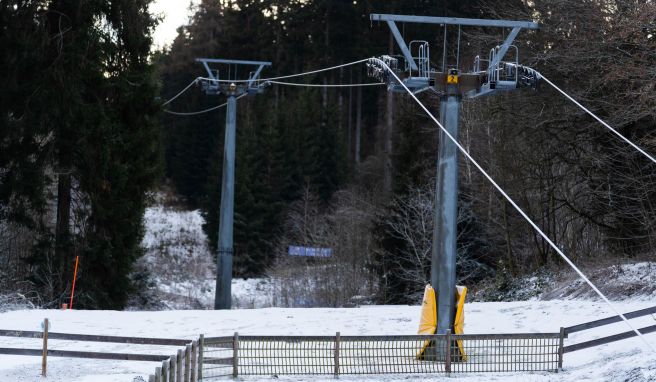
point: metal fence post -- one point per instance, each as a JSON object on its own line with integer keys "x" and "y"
{"x": 447, "y": 355}
{"x": 235, "y": 355}
{"x": 201, "y": 346}
{"x": 561, "y": 344}
{"x": 194, "y": 360}
{"x": 179, "y": 366}
{"x": 337, "y": 342}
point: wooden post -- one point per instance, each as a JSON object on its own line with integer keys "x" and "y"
{"x": 44, "y": 360}
{"x": 560, "y": 348}
{"x": 179, "y": 366}
{"x": 187, "y": 360}
{"x": 201, "y": 345}
{"x": 337, "y": 341}
{"x": 194, "y": 360}
{"x": 151, "y": 378}
{"x": 165, "y": 371}
{"x": 158, "y": 374}
{"x": 447, "y": 355}
{"x": 77, "y": 260}
{"x": 235, "y": 355}
{"x": 172, "y": 373}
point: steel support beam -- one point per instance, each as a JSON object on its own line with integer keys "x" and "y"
{"x": 504, "y": 48}
{"x": 443, "y": 265}
{"x": 454, "y": 21}
{"x": 404, "y": 48}
{"x": 233, "y": 62}
{"x": 223, "y": 297}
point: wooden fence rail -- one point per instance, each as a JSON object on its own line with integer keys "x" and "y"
{"x": 608, "y": 321}
{"x": 96, "y": 338}
{"x": 180, "y": 367}
{"x": 85, "y": 354}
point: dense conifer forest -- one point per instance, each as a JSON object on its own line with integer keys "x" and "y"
{"x": 85, "y": 142}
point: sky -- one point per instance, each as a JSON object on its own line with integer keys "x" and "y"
{"x": 175, "y": 13}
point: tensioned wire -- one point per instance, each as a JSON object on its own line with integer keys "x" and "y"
{"x": 290, "y": 75}
{"x": 324, "y": 85}
{"x": 277, "y": 83}
{"x": 271, "y": 80}
{"x": 181, "y": 92}
{"x": 512, "y": 202}
{"x": 266, "y": 79}
{"x": 202, "y": 111}
{"x": 614, "y": 131}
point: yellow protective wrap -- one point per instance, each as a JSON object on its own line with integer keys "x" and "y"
{"x": 428, "y": 318}
{"x": 459, "y": 320}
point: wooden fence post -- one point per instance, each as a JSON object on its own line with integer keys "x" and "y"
{"x": 447, "y": 355}
{"x": 187, "y": 360}
{"x": 165, "y": 371}
{"x": 151, "y": 378}
{"x": 179, "y": 366}
{"x": 194, "y": 360}
{"x": 158, "y": 374}
{"x": 235, "y": 355}
{"x": 561, "y": 344}
{"x": 201, "y": 346}
{"x": 172, "y": 373}
{"x": 44, "y": 360}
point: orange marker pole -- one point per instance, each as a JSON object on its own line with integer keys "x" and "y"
{"x": 77, "y": 259}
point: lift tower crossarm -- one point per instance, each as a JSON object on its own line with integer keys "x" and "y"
{"x": 260, "y": 64}
{"x": 454, "y": 21}
{"x": 391, "y": 22}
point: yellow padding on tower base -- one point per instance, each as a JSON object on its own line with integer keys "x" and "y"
{"x": 428, "y": 319}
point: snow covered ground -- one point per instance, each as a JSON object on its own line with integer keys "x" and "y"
{"x": 180, "y": 272}
{"x": 627, "y": 360}
{"x": 181, "y": 268}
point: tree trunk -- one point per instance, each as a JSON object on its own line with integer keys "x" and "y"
{"x": 387, "y": 136}
{"x": 62, "y": 228}
{"x": 358, "y": 123}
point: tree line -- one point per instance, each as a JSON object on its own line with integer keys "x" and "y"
{"x": 352, "y": 169}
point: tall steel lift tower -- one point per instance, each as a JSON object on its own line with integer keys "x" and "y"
{"x": 232, "y": 88}
{"x": 453, "y": 87}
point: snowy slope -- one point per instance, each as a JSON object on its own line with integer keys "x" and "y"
{"x": 180, "y": 266}
{"x": 622, "y": 361}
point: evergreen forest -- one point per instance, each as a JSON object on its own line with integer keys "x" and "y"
{"x": 87, "y": 139}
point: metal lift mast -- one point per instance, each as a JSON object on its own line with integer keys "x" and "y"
{"x": 453, "y": 86}
{"x": 215, "y": 86}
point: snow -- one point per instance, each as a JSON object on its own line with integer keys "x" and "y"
{"x": 182, "y": 276}
{"x": 624, "y": 360}
{"x": 181, "y": 265}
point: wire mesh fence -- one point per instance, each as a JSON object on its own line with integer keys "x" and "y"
{"x": 325, "y": 355}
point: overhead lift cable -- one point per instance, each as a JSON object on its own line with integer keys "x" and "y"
{"x": 289, "y": 75}
{"x": 519, "y": 209}
{"x": 625, "y": 139}
{"x": 261, "y": 81}
{"x": 181, "y": 92}
{"x": 325, "y": 85}
{"x": 201, "y": 111}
